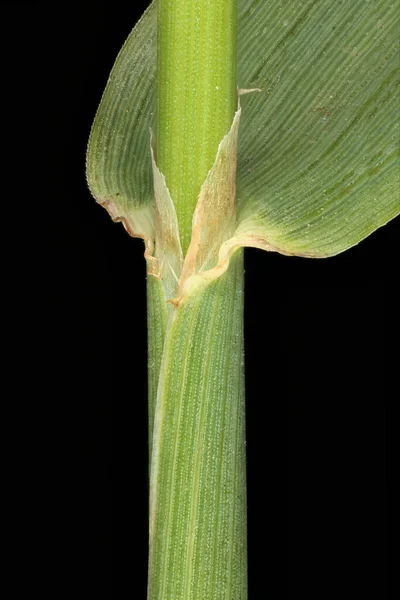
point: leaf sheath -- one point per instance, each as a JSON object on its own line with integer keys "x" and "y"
{"x": 198, "y": 489}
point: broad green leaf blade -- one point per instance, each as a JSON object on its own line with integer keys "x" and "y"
{"x": 318, "y": 165}
{"x": 318, "y": 156}
{"x": 118, "y": 158}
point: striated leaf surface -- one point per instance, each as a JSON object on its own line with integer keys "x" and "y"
{"x": 318, "y": 159}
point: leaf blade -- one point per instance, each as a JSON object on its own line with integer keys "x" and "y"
{"x": 118, "y": 163}
{"x": 309, "y": 175}
{"x": 316, "y": 174}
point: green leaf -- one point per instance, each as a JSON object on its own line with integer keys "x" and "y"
{"x": 119, "y": 169}
{"x": 318, "y": 158}
{"x": 318, "y": 165}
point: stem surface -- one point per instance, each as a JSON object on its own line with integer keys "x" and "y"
{"x": 198, "y": 488}
{"x": 197, "y": 95}
{"x": 196, "y": 378}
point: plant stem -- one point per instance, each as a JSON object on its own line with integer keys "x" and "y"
{"x": 197, "y": 95}
{"x": 198, "y": 489}
{"x": 196, "y": 378}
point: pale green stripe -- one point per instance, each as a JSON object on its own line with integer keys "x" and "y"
{"x": 157, "y": 316}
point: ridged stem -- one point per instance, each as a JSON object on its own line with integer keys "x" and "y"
{"x": 196, "y": 379}
{"x": 198, "y": 488}
{"x": 196, "y": 95}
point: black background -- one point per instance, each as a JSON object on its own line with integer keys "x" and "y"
{"x": 317, "y": 347}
